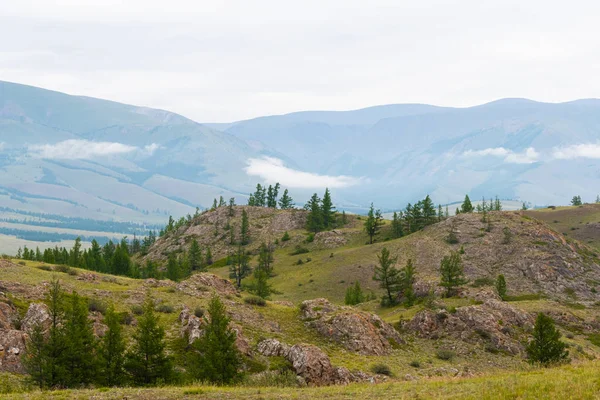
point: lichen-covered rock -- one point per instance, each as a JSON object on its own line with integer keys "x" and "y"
{"x": 494, "y": 321}
{"x": 358, "y": 331}
{"x": 311, "y": 363}
{"x": 37, "y": 314}
{"x": 12, "y": 346}
{"x": 7, "y": 316}
{"x": 204, "y": 284}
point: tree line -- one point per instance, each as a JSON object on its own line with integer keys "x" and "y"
{"x": 68, "y": 355}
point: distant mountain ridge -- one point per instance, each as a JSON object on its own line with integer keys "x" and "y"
{"x": 85, "y": 157}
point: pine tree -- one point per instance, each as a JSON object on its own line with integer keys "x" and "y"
{"x": 265, "y": 259}
{"x": 428, "y": 211}
{"x": 121, "y": 263}
{"x": 35, "y": 359}
{"x": 173, "y": 268}
{"x": 314, "y": 219}
{"x": 501, "y": 286}
{"x": 195, "y": 256}
{"x": 524, "y": 207}
{"x": 245, "y": 229}
{"x": 327, "y": 210}
{"x": 451, "y": 269}
{"x": 219, "y": 359}
{"x": 373, "y": 223}
{"x": 222, "y": 202}
{"x": 214, "y": 205}
{"x": 251, "y": 200}
{"x": 240, "y": 267}
{"x": 80, "y": 353}
{"x": 208, "y": 258}
{"x": 576, "y": 201}
{"x": 597, "y": 199}
{"x": 354, "y": 295}
{"x": 261, "y": 286}
{"x": 396, "y": 226}
{"x": 497, "y": 204}
{"x": 466, "y": 206}
{"x": 75, "y": 256}
{"x": 440, "y": 214}
{"x": 408, "y": 281}
{"x": 231, "y": 209}
{"x": 57, "y": 340}
{"x": 286, "y": 202}
{"x": 546, "y": 347}
{"x": 388, "y": 276}
{"x": 112, "y": 350}
{"x": 147, "y": 361}
{"x": 344, "y": 218}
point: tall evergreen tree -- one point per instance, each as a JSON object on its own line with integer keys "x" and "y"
{"x": 261, "y": 286}
{"x": 147, "y": 361}
{"x": 231, "y": 209}
{"x": 75, "y": 256}
{"x": 408, "y": 281}
{"x": 327, "y": 210}
{"x": 388, "y": 276}
{"x": 80, "y": 352}
{"x": 286, "y": 202}
{"x": 173, "y": 272}
{"x": 265, "y": 259}
{"x": 497, "y": 204}
{"x": 36, "y": 359}
{"x": 121, "y": 263}
{"x": 467, "y": 206}
{"x": 373, "y": 223}
{"x": 314, "y": 220}
{"x": 195, "y": 256}
{"x": 112, "y": 350}
{"x": 428, "y": 210}
{"x": 57, "y": 340}
{"x": 501, "y": 286}
{"x": 240, "y": 268}
{"x": 245, "y": 229}
{"x": 396, "y": 226}
{"x": 451, "y": 269}
{"x": 222, "y": 202}
{"x": 546, "y": 347}
{"x": 219, "y": 359}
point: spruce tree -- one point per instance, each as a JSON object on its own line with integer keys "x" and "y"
{"x": 240, "y": 268}
{"x": 57, "y": 340}
{"x": 373, "y": 223}
{"x": 396, "y": 226}
{"x": 231, "y": 209}
{"x": 286, "y": 202}
{"x": 75, "y": 256}
{"x": 314, "y": 220}
{"x": 388, "y": 276}
{"x": 112, "y": 350}
{"x": 261, "y": 286}
{"x": 36, "y": 359}
{"x": 195, "y": 256}
{"x": 208, "y": 259}
{"x": 265, "y": 259}
{"x": 218, "y": 360}
{"x": 428, "y": 211}
{"x": 121, "y": 263}
{"x": 497, "y": 204}
{"x": 354, "y": 295}
{"x": 501, "y": 286}
{"x": 451, "y": 269}
{"x": 245, "y": 229}
{"x": 408, "y": 281}
{"x": 147, "y": 361}
{"x": 222, "y": 202}
{"x": 546, "y": 348}
{"x": 344, "y": 218}
{"x": 80, "y": 352}
{"x": 467, "y": 206}
{"x": 173, "y": 268}
{"x": 327, "y": 210}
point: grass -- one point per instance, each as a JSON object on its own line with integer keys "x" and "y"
{"x": 566, "y": 382}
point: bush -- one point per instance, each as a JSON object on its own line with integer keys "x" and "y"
{"x": 255, "y": 301}
{"x": 45, "y": 268}
{"x": 299, "y": 262}
{"x": 137, "y": 309}
{"x": 415, "y": 364}
{"x": 199, "y": 312}
{"x": 62, "y": 268}
{"x": 285, "y": 237}
{"x": 310, "y": 238}
{"x": 299, "y": 250}
{"x": 381, "y": 369}
{"x": 96, "y": 305}
{"x": 546, "y": 348}
{"x": 72, "y": 272}
{"x": 22, "y": 263}
{"x": 446, "y": 355}
{"x": 165, "y": 308}
{"x": 126, "y": 318}
{"x": 480, "y": 282}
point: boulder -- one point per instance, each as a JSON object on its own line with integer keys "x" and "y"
{"x": 12, "y": 346}
{"x": 37, "y": 313}
{"x": 203, "y": 284}
{"x": 357, "y": 331}
{"x": 7, "y": 315}
{"x": 493, "y": 322}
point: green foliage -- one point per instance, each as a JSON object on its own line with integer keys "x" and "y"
{"x": 195, "y": 257}
{"x": 327, "y": 210}
{"x": 299, "y": 250}
{"x": 467, "y": 206}
{"x": 388, "y": 276}
{"x": 445, "y": 354}
{"x": 112, "y": 350}
{"x": 245, "y": 229}
{"x": 452, "y": 237}
{"x": 381, "y": 369}
{"x": 285, "y": 237}
{"x": 507, "y": 235}
{"x": 407, "y": 284}
{"x": 576, "y": 201}
{"x": 240, "y": 268}
{"x": 218, "y": 359}
{"x": 265, "y": 259}
{"x": 354, "y": 295}
{"x": 286, "y": 202}
{"x": 261, "y": 286}
{"x": 147, "y": 361}
{"x": 546, "y": 347}
{"x": 314, "y": 219}
{"x": 396, "y": 226}
{"x": 501, "y": 286}
{"x": 373, "y": 223}
{"x": 255, "y": 301}
{"x": 451, "y": 269}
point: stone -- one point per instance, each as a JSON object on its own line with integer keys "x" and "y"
{"x": 12, "y": 344}
{"x": 37, "y": 313}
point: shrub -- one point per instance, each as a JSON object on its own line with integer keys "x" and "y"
{"x": 273, "y": 379}
{"x": 546, "y": 347}
{"x": 62, "y": 268}
{"x": 354, "y": 295}
{"x": 96, "y": 305}
{"x": 594, "y": 338}
{"x": 480, "y": 282}
{"x": 445, "y": 354}
{"x": 199, "y": 312}
{"x": 255, "y": 301}
{"x": 501, "y": 286}
{"x": 415, "y": 364}
{"x": 126, "y": 318}
{"x": 72, "y": 272}
{"x": 310, "y": 238}
{"x": 299, "y": 262}
{"x": 22, "y": 263}
{"x": 165, "y": 308}
{"x": 285, "y": 237}
{"x": 299, "y": 250}
{"x": 137, "y": 309}
{"x": 45, "y": 268}
{"x": 381, "y": 369}
{"x": 507, "y": 238}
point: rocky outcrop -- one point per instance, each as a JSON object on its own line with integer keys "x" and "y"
{"x": 311, "y": 364}
{"x": 37, "y": 314}
{"x": 204, "y": 284}
{"x": 8, "y": 314}
{"x": 357, "y": 331}
{"x": 494, "y": 322}
{"x": 12, "y": 346}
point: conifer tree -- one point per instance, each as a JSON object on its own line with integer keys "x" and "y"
{"x": 219, "y": 359}
{"x": 80, "y": 352}
{"x": 388, "y": 276}
{"x": 245, "y": 229}
{"x": 57, "y": 340}
{"x": 75, "y": 256}
{"x": 440, "y": 214}
{"x": 222, "y": 202}
{"x": 576, "y": 201}
{"x": 121, "y": 263}
{"x": 214, "y": 205}
{"x": 501, "y": 286}
{"x": 173, "y": 268}
{"x": 208, "y": 258}
{"x": 428, "y": 211}
{"x": 396, "y": 226}
{"x": 408, "y": 281}
{"x": 327, "y": 210}
{"x": 240, "y": 268}
{"x": 35, "y": 359}
{"x": 195, "y": 256}
{"x": 524, "y": 207}
{"x": 373, "y": 223}
{"x": 354, "y": 295}
{"x": 314, "y": 220}
{"x": 261, "y": 286}
{"x": 286, "y": 202}
{"x": 231, "y": 209}
{"x": 147, "y": 361}
{"x": 546, "y": 347}
{"x": 467, "y": 206}
{"x": 451, "y": 269}
{"x": 265, "y": 259}
{"x": 251, "y": 200}
{"x": 344, "y": 218}
{"x": 112, "y": 350}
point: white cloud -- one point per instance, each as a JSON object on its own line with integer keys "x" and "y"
{"x": 84, "y": 149}
{"x": 529, "y": 156}
{"x": 151, "y": 148}
{"x": 273, "y": 170}
{"x": 577, "y": 151}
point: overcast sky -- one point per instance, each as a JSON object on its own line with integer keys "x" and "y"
{"x": 220, "y": 61}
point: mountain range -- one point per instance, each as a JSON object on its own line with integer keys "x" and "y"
{"x": 85, "y": 157}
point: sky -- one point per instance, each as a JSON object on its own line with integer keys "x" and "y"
{"x": 231, "y": 60}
